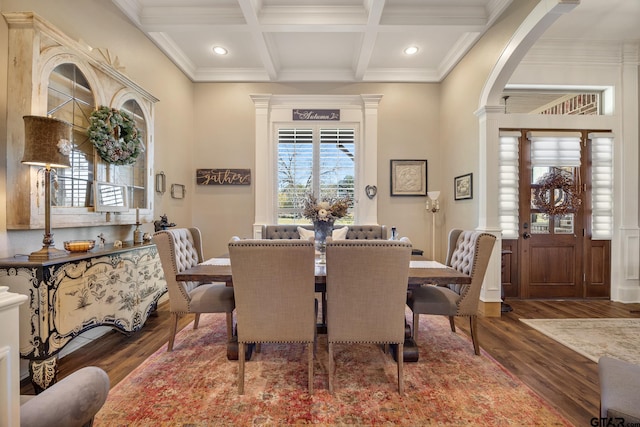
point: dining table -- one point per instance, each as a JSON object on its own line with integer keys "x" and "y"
{"x": 422, "y": 272}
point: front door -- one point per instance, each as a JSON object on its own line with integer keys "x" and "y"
{"x": 554, "y": 248}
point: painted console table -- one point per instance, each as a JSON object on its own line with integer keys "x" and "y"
{"x": 117, "y": 287}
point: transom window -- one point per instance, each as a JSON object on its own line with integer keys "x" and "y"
{"x": 316, "y": 159}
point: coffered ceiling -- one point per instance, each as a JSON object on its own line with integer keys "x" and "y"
{"x": 346, "y": 40}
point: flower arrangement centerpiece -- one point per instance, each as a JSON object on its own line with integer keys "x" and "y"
{"x": 114, "y": 135}
{"x": 323, "y": 214}
{"x": 327, "y": 210}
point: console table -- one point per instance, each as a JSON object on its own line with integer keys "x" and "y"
{"x": 117, "y": 287}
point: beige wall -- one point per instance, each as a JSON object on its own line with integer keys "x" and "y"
{"x": 460, "y": 100}
{"x": 408, "y": 127}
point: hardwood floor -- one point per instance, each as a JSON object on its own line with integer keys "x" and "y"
{"x": 567, "y": 380}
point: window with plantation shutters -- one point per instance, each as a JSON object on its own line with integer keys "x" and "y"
{"x": 550, "y": 150}
{"x": 509, "y": 180}
{"x": 314, "y": 159}
{"x": 602, "y": 185}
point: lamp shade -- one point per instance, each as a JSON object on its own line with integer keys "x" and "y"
{"x": 433, "y": 195}
{"x": 47, "y": 142}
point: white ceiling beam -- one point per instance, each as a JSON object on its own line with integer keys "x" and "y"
{"x": 375, "y": 8}
{"x": 459, "y": 50}
{"x": 179, "y": 15}
{"x": 131, "y": 8}
{"x": 250, "y": 11}
{"x": 173, "y": 51}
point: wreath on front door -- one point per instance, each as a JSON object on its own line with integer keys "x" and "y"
{"x": 114, "y": 135}
{"x": 556, "y": 193}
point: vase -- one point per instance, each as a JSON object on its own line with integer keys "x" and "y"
{"x": 322, "y": 229}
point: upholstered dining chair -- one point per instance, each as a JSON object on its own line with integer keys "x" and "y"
{"x": 71, "y": 402}
{"x": 274, "y": 284}
{"x": 619, "y": 390}
{"x": 180, "y": 249}
{"x": 469, "y": 253}
{"x": 366, "y": 295}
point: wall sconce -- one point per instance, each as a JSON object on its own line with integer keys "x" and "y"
{"x": 433, "y": 205}
{"x": 47, "y": 143}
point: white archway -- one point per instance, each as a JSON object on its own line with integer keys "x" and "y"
{"x": 489, "y": 113}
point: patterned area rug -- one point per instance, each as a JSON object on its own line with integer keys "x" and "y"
{"x": 619, "y": 338}
{"x": 195, "y": 385}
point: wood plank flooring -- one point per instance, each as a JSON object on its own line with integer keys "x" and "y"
{"x": 567, "y": 380}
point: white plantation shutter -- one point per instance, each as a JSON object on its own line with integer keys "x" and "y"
{"x": 295, "y": 169}
{"x": 337, "y": 163}
{"x": 314, "y": 159}
{"x": 601, "y": 185}
{"x": 563, "y": 149}
{"x": 554, "y": 149}
{"x": 508, "y": 186}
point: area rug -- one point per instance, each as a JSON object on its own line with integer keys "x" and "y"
{"x": 195, "y": 385}
{"x": 593, "y": 338}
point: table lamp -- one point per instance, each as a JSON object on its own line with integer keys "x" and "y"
{"x": 47, "y": 143}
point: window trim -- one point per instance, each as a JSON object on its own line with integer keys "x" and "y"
{"x": 316, "y": 128}
{"x": 271, "y": 109}
{"x": 601, "y": 217}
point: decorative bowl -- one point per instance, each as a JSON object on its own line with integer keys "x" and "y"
{"x": 79, "y": 245}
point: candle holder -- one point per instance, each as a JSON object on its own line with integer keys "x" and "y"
{"x": 137, "y": 234}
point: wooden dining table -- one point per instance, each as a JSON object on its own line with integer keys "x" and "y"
{"x": 422, "y": 272}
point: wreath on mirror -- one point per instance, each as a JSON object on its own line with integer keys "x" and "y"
{"x": 551, "y": 202}
{"x": 114, "y": 135}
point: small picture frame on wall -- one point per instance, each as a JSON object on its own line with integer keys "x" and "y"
{"x": 178, "y": 191}
{"x": 408, "y": 177}
{"x": 463, "y": 187}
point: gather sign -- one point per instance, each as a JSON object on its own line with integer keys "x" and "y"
{"x": 223, "y": 176}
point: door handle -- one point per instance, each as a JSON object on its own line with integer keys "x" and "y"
{"x": 526, "y": 235}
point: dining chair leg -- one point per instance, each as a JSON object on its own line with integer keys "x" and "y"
{"x": 473, "y": 325}
{"x": 315, "y": 330}
{"x": 416, "y": 322}
{"x": 452, "y": 323}
{"x": 332, "y": 367}
{"x": 196, "y": 321}
{"x": 400, "y": 368}
{"x": 229, "y": 326}
{"x": 240, "y": 368}
{"x": 173, "y": 330}
{"x": 310, "y": 352}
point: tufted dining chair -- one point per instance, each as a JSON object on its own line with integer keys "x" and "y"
{"x": 180, "y": 249}
{"x": 274, "y": 283}
{"x": 366, "y": 295}
{"x": 469, "y": 253}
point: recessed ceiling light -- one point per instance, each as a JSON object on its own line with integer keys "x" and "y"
{"x": 220, "y": 50}
{"x": 411, "y": 50}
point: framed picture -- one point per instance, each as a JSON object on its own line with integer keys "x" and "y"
{"x": 178, "y": 191}
{"x": 408, "y": 177}
{"x": 463, "y": 187}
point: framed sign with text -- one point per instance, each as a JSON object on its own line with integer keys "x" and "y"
{"x": 313, "y": 114}
{"x": 223, "y": 176}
